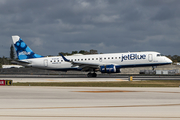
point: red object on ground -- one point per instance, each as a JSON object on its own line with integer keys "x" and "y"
{"x": 2, "y": 82}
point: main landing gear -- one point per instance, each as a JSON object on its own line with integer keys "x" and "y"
{"x": 92, "y": 75}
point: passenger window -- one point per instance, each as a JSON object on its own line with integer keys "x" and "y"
{"x": 81, "y": 59}
{"x": 104, "y": 58}
{"x": 88, "y": 58}
{"x": 96, "y": 58}
{"x": 108, "y": 57}
{"x": 92, "y": 58}
{"x": 115, "y": 57}
{"x": 119, "y": 57}
{"x": 112, "y": 57}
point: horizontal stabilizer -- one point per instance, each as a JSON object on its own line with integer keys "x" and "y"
{"x": 20, "y": 62}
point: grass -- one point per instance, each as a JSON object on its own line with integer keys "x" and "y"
{"x": 149, "y": 83}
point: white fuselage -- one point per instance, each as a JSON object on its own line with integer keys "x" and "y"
{"x": 130, "y": 59}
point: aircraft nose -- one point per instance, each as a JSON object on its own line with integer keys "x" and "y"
{"x": 169, "y": 60}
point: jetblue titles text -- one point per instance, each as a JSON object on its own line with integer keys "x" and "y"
{"x": 133, "y": 57}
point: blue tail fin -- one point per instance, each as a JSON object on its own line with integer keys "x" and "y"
{"x": 22, "y": 50}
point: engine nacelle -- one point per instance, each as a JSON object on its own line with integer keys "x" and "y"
{"x": 109, "y": 69}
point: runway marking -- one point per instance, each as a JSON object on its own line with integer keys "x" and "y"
{"x": 89, "y": 116}
{"x": 121, "y": 80}
{"x": 106, "y": 91}
{"x": 160, "y": 105}
{"x": 53, "y": 80}
{"x": 109, "y": 91}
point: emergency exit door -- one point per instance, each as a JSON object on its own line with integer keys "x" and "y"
{"x": 45, "y": 62}
{"x": 100, "y": 59}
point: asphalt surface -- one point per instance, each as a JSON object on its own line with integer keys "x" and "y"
{"x": 85, "y": 103}
{"x": 81, "y": 78}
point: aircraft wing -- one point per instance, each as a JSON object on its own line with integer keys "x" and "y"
{"x": 84, "y": 66}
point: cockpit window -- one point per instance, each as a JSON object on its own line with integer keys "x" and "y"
{"x": 158, "y": 55}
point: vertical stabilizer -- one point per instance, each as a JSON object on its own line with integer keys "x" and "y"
{"x": 22, "y": 50}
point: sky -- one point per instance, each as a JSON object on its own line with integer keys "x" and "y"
{"x": 109, "y": 26}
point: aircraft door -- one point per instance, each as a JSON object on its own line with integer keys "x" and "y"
{"x": 45, "y": 62}
{"x": 150, "y": 57}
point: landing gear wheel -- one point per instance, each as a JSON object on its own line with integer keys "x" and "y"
{"x": 94, "y": 75}
{"x": 91, "y": 75}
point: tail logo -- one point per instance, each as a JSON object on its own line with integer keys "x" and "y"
{"x": 23, "y": 51}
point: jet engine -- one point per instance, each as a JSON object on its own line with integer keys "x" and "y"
{"x": 109, "y": 69}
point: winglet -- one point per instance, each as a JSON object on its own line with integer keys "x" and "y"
{"x": 65, "y": 58}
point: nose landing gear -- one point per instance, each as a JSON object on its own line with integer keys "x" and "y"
{"x": 153, "y": 67}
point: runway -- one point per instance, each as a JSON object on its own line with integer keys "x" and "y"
{"x": 86, "y": 103}
{"x": 81, "y": 78}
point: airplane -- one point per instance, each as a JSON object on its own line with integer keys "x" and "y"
{"x": 105, "y": 63}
